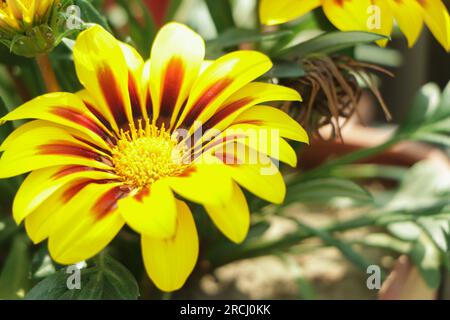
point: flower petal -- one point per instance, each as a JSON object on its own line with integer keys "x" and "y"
{"x": 169, "y": 262}
{"x": 62, "y": 108}
{"x": 176, "y": 58}
{"x": 151, "y": 212}
{"x": 258, "y": 174}
{"x": 273, "y": 12}
{"x": 252, "y": 94}
{"x": 102, "y": 69}
{"x": 86, "y": 224}
{"x": 409, "y": 16}
{"x": 39, "y": 144}
{"x": 360, "y": 15}
{"x": 196, "y": 183}
{"x": 273, "y": 118}
{"x": 41, "y": 184}
{"x": 232, "y": 217}
{"x": 438, "y": 21}
{"x": 42, "y": 219}
{"x": 219, "y": 81}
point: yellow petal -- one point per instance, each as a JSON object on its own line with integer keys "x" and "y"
{"x": 265, "y": 141}
{"x": 39, "y": 144}
{"x": 137, "y": 92}
{"x": 273, "y": 118}
{"x": 232, "y": 217}
{"x": 219, "y": 81}
{"x": 360, "y": 15}
{"x": 151, "y": 212}
{"x": 254, "y": 171}
{"x": 16, "y": 8}
{"x": 438, "y": 21}
{"x": 102, "y": 69}
{"x": 41, "y": 184}
{"x": 169, "y": 262}
{"x": 273, "y": 12}
{"x": 252, "y": 94}
{"x": 62, "y": 108}
{"x": 381, "y": 19}
{"x": 86, "y": 224}
{"x": 49, "y": 205}
{"x": 176, "y": 58}
{"x": 409, "y": 16}
{"x": 203, "y": 183}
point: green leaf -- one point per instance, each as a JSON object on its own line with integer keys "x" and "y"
{"x": 143, "y": 31}
{"x": 324, "y": 190}
{"x": 427, "y": 258}
{"x": 14, "y": 278}
{"x": 285, "y": 69}
{"x": 424, "y": 105}
{"x": 173, "y": 7}
{"x": 108, "y": 280}
{"x": 329, "y": 42}
{"x": 236, "y": 36}
{"x": 221, "y": 14}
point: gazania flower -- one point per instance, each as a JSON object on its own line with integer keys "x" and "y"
{"x": 368, "y": 15}
{"x": 113, "y": 154}
{"x": 26, "y": 26}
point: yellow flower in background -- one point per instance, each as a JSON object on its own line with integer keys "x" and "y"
{"x": 368, "y": 15}
{"x": 113, "y": 153}
{"x": 29, "y": 27}
{"x": 20, "y": 15}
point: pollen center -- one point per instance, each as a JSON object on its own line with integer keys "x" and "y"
{"x": 143, "y": 156}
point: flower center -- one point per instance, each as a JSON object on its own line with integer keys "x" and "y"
{"x": 143, "y": 156}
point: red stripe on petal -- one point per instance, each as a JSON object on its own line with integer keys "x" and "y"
{"x": 112, "y": 95}
{"x": 108, "y": 202}
{"x": 67, "y": 149}
{"x": 81, "y": 119}
{"x": 202, "y": 103}
{"x": 227, "y": 111}
{"x": 142, "y": 194}
{"x": 173, "y": 79}
{"x": 134, "y": 96}
{"x": 75, "y": 189}
{"x": 149, "y": 104}
{"x": 98, "y": 115}
{"x": 70, "y": 170}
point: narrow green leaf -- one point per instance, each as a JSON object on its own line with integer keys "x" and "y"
{"x": 236, "y": 36}
{"x": 424, "y": 105}
{"x": 427, "y": 258}
{"x": 329, "y": 42}
{"x": 14, "y": 278}
{"x": 221, "y": 14}
{"x": 324, "y": 190}
{"x": 285, "y": 69}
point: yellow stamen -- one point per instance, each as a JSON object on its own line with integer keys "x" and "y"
{"x": 144, "y": 155}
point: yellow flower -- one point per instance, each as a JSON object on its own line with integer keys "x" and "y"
{"x": 120, "y": 150}
{"x": 368, "y": 15}
{"x": 28, "y": 27}
{"x": 21, "y": 15}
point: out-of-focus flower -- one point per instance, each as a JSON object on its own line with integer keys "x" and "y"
{"x": 121, "y": 150}
{"x": 28, "y": 27}
{"x": 368, "y": 15}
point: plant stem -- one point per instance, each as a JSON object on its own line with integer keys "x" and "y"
{"x": 48, "y": 75}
